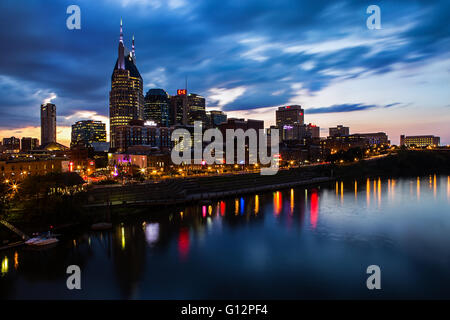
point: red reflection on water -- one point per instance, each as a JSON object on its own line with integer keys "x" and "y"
{"x": 183, "y": 243}
{"x": 222, "y": 208}
{"x": 204, "y": 211}
{"x": 314, "y": 209}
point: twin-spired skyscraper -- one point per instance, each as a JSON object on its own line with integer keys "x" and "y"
{"x": 126, "y": 98}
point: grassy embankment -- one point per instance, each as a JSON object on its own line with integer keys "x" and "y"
{"x": 405, "y": 163}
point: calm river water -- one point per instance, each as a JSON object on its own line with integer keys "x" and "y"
{"x": 314, "y": 242}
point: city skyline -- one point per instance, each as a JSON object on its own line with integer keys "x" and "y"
{"x": 391, "y": 80}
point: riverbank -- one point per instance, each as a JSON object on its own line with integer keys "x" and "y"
{"x": 100, "y": 202}
{"x": 180, "y": 191}
{"x": 405, "y": 163}
{"x": 188, "y": 190}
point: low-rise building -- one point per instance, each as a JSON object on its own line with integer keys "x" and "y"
{"x": 29, "y": 144}
{"x": 420, "y": 141}
{"x": 339, "y": 130}
{"x": 128, "y": 160}
{"x": 343, "y": 143}
{"x": 136, "y": 133}
{"x": 11, "y": 144}
{"x": 21, "y": 168}
{"x": 378, "y": 138}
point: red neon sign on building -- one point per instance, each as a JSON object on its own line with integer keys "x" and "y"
{"x": 181, "y": 92}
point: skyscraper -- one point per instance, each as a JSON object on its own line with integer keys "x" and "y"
{"x": 88, "y": 131}
{"x": 156, "y": 107}
{"x": 126, "y": 98}
{"x": 289, "y": 116}
{"x": 48, "y": 123}
{"x": 290, "y": 120}
{"x": 196, "y": 109}
{"x": 179, "y": 108}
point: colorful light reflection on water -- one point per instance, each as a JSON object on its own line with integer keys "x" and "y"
{"x": 270, "y": 245}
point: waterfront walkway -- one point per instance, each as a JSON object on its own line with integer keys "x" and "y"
{"x": 176, "y": 191}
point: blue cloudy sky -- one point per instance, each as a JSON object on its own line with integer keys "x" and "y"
{"x": 245, "y": 56}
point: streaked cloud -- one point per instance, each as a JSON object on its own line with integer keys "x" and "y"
{"x": 347, "y": 108}
{"x": 246, "y": 57}
{"x": 222, "y": 96}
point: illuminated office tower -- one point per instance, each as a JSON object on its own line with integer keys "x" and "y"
{"x": 196, "y": 109}
{"x": 126, "y": 98}
{"x": 179, "y": 108}
{"x": 88, "y": 131}
{"x": 289, "y": 116}
{"x": 156, "y": 107}
{"x": 420, "y": 141}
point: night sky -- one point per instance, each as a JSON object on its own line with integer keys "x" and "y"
{"x": 247, "y": 57}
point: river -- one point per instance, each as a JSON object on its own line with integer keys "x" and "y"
{"x": 301, "y": 243}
